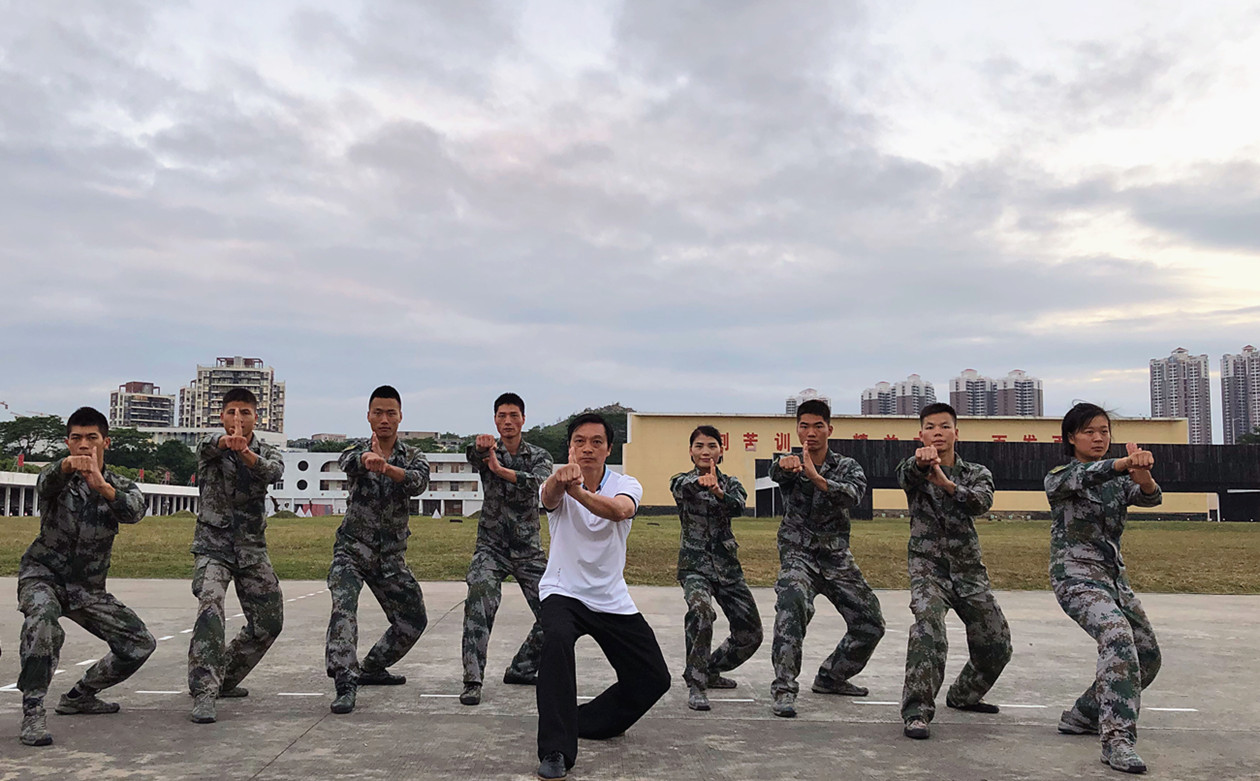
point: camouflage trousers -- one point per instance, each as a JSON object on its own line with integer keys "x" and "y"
{"x": 399, "y": 596}
{"x": 988, "y": 646}
{"x": 740, "y": 609}
{"x": 130, "y": 643}
{"x": 1128, "y": 655}
{"x": 485, "y": 577}
{"x": 211, "y": 666}
{"x": 803, "y": 574}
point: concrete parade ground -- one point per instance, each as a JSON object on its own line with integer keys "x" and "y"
{"x": 1198, "y": 719}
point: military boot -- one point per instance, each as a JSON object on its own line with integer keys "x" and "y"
{"x": 829, "y": 686}
{"x": 979, "y": 706}
{"x": 380, "y": 677}
{"x": 203, "y": 709}
{"x": 1071, "y": 722}
{"x": 519, "y": 679}
{"x": 471, "y": 694}
{"x": 233, "y": 692}
{"x": 719, "y": 682}
{"x": 34, "y": 723}
{"x": 346, "y": 690}
{"x": 1123, "y": 757}
{"x": 697, "y": 699}
{"x": 77, "y": 701}
{"x": 917, "y": 729}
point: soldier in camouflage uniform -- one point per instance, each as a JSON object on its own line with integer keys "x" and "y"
{"x": 371, "y": 548}
{"x": 507, "y": 543}
{"x": 944, "y": 493}
{"x": 709, "y": 569}
{"x": 63, "y": 574}
{"x": 234, "y": 470}
{"x": 819, "y": 487}
{"x": 1089, "y": 499}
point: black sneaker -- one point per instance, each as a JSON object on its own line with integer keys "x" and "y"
{"x": 697, "y": 699}
{"x": 552, "y": 767}
{"x": 720, "y": 682}
{"x": 513, "y": 677}
{"x": 980, "y": 706}
{"x": 827, "y": 686}
{"x": 346, "y": 691}
{"x": 233, "y": 692}
{"x": 380, "y": 678}
{"x": 471, "y": 694}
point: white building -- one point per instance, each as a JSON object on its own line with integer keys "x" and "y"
{"x": 806, "y": 395}
{"x": 137, "y": 404}
{"x": 1240, "y": 393}
{"x": 193, "y": 436}
{"x": 314, "y": 483}
{"x": 971, "y": 393}
{"x": 18, "y": 497}
{"x": 1181, "y": 388}
{"x": 201, "y": 400}
{"x": 1020, "y": 394}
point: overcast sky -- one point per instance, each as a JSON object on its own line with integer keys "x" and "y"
{"x": 679, "y": 206}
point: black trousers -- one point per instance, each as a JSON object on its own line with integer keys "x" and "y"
{"x": 632, "y": 650}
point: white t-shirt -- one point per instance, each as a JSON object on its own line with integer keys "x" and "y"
{"x": 587, "y": 560}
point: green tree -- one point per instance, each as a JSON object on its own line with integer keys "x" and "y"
{"x": 426, "y": 445}
{"x": 130, "y": 448}
{"x": 553, "y": 438}
{"x": 32, "y": 435}
{"x": 328, "y": 447}
{"x": 175, "y": 457}
{"x": 1249, "y": 439}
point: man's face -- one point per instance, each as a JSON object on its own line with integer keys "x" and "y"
{"x": 87, "y": 441}
{"x": 590, "y": 444}
{"x": 239, "y": 417}
{"x": 384, "y": 415}
{"x": 509, "y": 420}
{"x": 706, "y": 452}
{"x": 813, "y": 431}
{"x": 1093, "y": 440}
{"x": 940, "y": 431}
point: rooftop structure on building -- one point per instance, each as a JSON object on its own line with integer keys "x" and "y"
{"x": 1181, "y": 388}
{"x": 1240, "y": 394}
{"x": 137, "y": 404}
{"x": 201, "y": 401}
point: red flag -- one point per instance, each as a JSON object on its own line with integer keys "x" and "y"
{"x": 21, "y": 460}
{"x": 192, "y": 479}
{"x": 141, "y": 476}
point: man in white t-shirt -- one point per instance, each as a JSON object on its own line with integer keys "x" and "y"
{"x": 589, "y": 510}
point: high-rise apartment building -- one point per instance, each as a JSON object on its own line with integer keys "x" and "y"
{"x": 137, "y": 404}
{"x": 1019, "y": 394}
{"x": 1240, "y": 393}
{"x": 809, "y": 393}
{"x": 1181, "y": 388}
{"x": 201, "y": 400}
{"x": 971, "y": 393}
{"x": 907, "y": 397}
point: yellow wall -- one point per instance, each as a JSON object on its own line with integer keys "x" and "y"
{"x": 657, "y": 449}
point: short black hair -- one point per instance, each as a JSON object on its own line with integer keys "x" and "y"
{"x": 590, "y": 417}
{"x": 88, "y": 416}
{"x": 385, "y": 392}
{"x": 705, "y": 430}
{"x": 1078, "y": 418}
{"x": 509, "y": 398}
{"x": 240, "y": 395}
{"x": 937, "y": 408}
{"x": 814, "y": 407}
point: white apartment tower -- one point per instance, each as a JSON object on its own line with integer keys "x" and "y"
{"x": 1181, "y": 388}
{"x": 878, "y": 400}
{"x": 201, "y": 400}
{"x": 809, "y": 393}
{"x": 971, "y": 393}
{"x": 137, "y": 404}
{"x": 1019, "y": 394}
{"x": 1240, "y": 393}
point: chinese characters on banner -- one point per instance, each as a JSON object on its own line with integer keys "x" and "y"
{"x": 750, "y": 441}
{"x": 726, "y": 441}
{"x": 783, "y": 442}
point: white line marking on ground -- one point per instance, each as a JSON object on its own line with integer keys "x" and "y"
{"x": 1010, "y": 705}
{"x": 184, "y": 631}
{"x": 238, "y": 615}
{"x": 59, "y": 672}
{"x": 291, "y": 600}
{"x": 167, "y": 637}
{"x": 439, "y": 695}
{"x": 876, "y": 702}
{"x": 1175, "y": 710}
{"x": 85, "y": 663}
{"x": 580, "y": 697}
{"x": 299, "y": 694}
{"x": 10, "y": 688}
{"x": 168, "y": 691}
{"x": 731, "y": 699}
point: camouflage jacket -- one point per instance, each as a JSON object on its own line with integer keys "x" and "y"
{"x": 815, "y": 519}
{"x": 943, "y": 539}
{"x": 76, "y": 532}
{"x": 378, "y": 509}
{"x": 707, "y": 545}
{"x": 1088, "y": 504}
{"x": 232, "y": 518}
{"x": 509, "y": 514}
